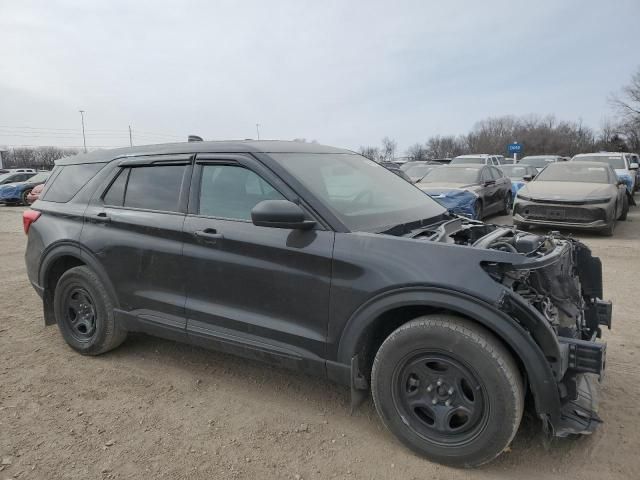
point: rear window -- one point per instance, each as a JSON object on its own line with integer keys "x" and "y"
{"x": 149, "y": 188}
{"x": 70, "y": 180}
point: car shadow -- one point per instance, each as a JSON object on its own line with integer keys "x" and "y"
{"x": 282, "y": 386}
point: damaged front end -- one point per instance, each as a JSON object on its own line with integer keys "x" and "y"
{"x": 553, "y": 288}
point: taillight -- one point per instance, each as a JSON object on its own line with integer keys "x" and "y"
{"x": 28, "y": 217}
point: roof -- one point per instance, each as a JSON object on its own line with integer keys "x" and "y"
{"x": 228, "y": 146}
{"x": 600, "y": 154}
{"x": 471, "y": 155}
{"x": 477, "y": 166}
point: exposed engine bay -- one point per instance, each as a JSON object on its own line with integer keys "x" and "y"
{"x": 555, "y": 274}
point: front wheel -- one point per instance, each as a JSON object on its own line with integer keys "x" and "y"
{"x": 477, "y": 208}
{"x": 448, "y": 389}
{"x": 508, "y": 203}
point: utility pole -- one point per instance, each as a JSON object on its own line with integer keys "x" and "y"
{"x": 258, "y": 130}
{"x": 130, "y": 137}
{"x": 84, "y": 138}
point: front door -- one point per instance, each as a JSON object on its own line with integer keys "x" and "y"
{"x": 256, "y": 291}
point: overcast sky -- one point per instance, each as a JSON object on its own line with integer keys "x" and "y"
{"x": 345, "y": 73}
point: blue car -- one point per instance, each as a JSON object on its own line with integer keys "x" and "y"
{"x": 519, "y": 175}
{"x": 16, "y": 193}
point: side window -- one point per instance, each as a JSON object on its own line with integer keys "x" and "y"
{"x": 70, "y": 180}
{"x": 485, "y": 176}
{"x": 496, "y": 173}
{"x": 115, "y": 194}
{"x": 153, "y": 187}
{"x": 228, "y": 191}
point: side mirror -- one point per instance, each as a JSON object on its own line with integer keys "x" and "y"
{"x": 280, "y": 214}
{"x": 488, "y": 183}
{"x": 527, "y": 178}
{"x": 634, "y": 166}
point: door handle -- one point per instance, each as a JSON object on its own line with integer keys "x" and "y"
{"x": 101, "y": 217}
{"x": 210, "y": 235}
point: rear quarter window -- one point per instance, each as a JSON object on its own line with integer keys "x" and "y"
{"x": 65, "y": 185}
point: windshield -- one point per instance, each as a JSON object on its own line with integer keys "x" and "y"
{"x": 515, "y": 171}
{"x": 466, "y": 160}
{"x": 364, "y": 195}
{"x": 538, "y": 162}
{"x": 574, "y": 172}
{"x": 616, "y": 161}
{"x": 39, "y": 177}
{"x": 419, "y": 170}
{"x": 4, "y": 176}
{"x": 466, "y": 175}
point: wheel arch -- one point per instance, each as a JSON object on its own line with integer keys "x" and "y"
{"x": 372, "y": 323}
{"x": 59, "y": 258}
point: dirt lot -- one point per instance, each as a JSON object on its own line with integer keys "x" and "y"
{"x": 157, "y": 409}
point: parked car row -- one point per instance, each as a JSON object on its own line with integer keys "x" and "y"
{"x": 21, "y": 187}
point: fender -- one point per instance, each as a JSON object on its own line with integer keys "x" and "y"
{"x": 539, "y": 373}
{"x": 70, "y": 248}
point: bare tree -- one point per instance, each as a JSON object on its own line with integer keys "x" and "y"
{"x": 388, "y": 151}
{"x": 39, "y": 158}
{"x": 372, "y": 153}
{"x": 417, "y": 152}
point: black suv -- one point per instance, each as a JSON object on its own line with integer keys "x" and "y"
{"x": 318, "y": 259}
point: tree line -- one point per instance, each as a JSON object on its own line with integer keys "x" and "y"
{"x": 40, "y": 158}
{"x": 538, "y": 135}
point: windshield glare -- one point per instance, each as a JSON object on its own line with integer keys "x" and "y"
{"x": 572, "y": 172}
{"x": 464, "y": 175}
{"x": 514, "y": 171}
{"x": 538, "y": 162}
{"x": 419, "y": 170}
{"x": 4, "y": 176}
{"x": 364, "y": 195}
{"x": 616, "y": 161}
{"x": 39, "y": 177}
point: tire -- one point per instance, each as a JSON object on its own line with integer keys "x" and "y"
{"x": 486, "y": 399}
{"x": 84, "y": 313}
{"x": 609, "y": 229}
{"x": 506, "y": 210}
{"x": 625, "y": 209}
{"x": 23, "y": 197}
{"x": 477, "y": 206}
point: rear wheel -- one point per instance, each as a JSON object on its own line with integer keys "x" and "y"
{"x": 84, "y": 313}
{"x": 23, "y": 197}
{"x": 448, "y": 389}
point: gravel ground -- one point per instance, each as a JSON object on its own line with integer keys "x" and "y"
{"x": 158, "y": 409}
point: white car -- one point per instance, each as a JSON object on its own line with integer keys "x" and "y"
{"x": 477, "y": 158}
{"x": 541, "y": 161}
{"x": 625, "y": 165}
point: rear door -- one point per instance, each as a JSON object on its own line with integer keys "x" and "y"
{"x": 134, "y": 228}
{"x": 255, "y": 291}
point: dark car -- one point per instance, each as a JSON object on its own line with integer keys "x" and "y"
{"x": 318, "y": 259}
{"x": 580, "y": 195}
{"x": 14, "y": 177}
{"x": 16, "y": 193}
{"x": 418, "y": 169}
{"x": 519, "y": 175}
{"x": 471, "y": 190}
